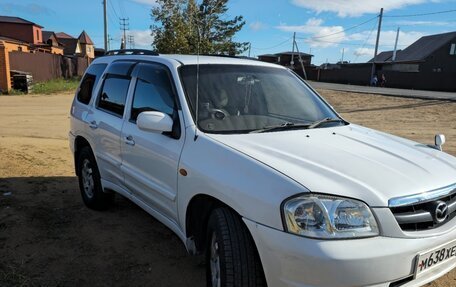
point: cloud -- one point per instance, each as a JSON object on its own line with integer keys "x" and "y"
{"x": 146, "y": 2}
{"x": 143, "y": 38}
{"x": 387, "y": 38}
{"x": 424, "y": 23}
{"x": 32, "y": 9}
{"x": 359, "y": 52}
{"x": 354, "y": 8}
{"x": 256, "y": 26}
{"x": 317, "y": 33}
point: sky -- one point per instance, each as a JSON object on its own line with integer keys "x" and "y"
{"x": 331, "y": 30}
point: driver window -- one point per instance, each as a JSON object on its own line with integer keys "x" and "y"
{"x": 153, "y": 92}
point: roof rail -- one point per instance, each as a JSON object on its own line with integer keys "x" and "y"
{"x": 131, "y": 52}
{"x": 230, "y": 56}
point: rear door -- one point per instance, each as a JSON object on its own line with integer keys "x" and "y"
{"x": 150, "y": 159}
{"x": 106, "y": 120}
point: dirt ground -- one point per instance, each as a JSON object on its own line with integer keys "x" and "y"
{"x": 48, "y": 238}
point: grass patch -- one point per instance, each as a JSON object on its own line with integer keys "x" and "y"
{"x": 14, "y": 92}
{"x": 56, "y": 86}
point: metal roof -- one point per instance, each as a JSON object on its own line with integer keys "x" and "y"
{"x": 85, "y": 39}
{"x": 63, "y": 35}
{"x": 419, "y": 50}
{"x": 384, "y": 56}
{"x": 16, "y": 20}
{"x": 424, "y": 47}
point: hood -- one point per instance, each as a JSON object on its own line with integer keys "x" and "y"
{"x": 350, "y": 161}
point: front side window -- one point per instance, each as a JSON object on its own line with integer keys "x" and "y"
{"x": 153, "y": 91}
{"x": 114, "y": 94}
{"x": 115, "y": 87}
{"x": 90, "y": 80}
{"x": 242, "y": 98}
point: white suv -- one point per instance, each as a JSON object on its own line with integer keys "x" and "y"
{"x": 248, "y": 164}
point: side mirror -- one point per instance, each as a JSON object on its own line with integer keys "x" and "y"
{"x": 154, "y": 122}
{"x": 439, "y": 141}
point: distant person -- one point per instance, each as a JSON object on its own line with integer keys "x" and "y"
{"x": 374, "y": 81}
{"x": 383, "y": 81}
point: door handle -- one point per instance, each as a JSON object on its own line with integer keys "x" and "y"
{"x": 93, "y": 125}
{"x": 129, "y": 141}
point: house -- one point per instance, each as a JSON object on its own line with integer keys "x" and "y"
{"x": 24, "y": 31}
{"x": 284, "y": 58}
{"x": 81, "y": 46}
{"x": 52, "y": 43}
{"x": 269, "y": 58}
{"x": 427, "y": 64}
{"x": 21, "y": 29}
{"x": 71, "y": 44}
{"x": 87, "y": 47}
{"x": 429, "y": 54}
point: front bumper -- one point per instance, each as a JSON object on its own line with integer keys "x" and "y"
{"x": 290, "y": 260}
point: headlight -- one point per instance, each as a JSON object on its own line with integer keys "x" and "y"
{"x": 328, "y": 217}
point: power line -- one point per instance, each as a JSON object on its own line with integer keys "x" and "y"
{"x": 367, "y": 39}
{"x": 421, "y": 14}
{"x": 275, "y": 46}
{"x": 120, "y": 3}
{"x": 113, "y": 9}
{"x": 342, "y": 31}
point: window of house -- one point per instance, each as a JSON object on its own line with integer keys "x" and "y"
{"x": 453, "y": 49}
{"x": 153, "y": 91}
{"x": 90, "y": 80}
{"x": 37, "y": 35}
{"x": 115, "y": 87}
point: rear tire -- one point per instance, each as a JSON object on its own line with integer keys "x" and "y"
{"x": 231, "y": 256}
{"x": 90, "y": 183}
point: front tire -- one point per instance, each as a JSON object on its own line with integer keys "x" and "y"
{"x": 231, "y": 256}
{"x": 90, "y": 183}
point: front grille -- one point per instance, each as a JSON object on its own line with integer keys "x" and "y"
{"x": 422, "y": 215}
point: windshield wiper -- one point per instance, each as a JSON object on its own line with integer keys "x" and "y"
{"x": 325, "y": 120}
{"x": 281, "y": 127}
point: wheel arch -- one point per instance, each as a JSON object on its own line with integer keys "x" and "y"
{"x": 79, "y": 143}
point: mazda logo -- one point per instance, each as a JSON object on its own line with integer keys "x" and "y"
{"x": 441, "y": 212}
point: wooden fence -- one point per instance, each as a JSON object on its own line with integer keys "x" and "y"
{"x": 45, "y": 67}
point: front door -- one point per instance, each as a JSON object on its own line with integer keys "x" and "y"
{"x": 150, "y": 159}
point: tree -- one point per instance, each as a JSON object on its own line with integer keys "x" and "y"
{"x": 185, "y": 27}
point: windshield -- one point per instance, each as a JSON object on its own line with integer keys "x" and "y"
{"x": 242, "y": 99}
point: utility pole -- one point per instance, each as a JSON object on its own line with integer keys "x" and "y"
{"x": 131, "y": 41}
{"x": 250, "y": 48}
{"x": 109, "y": 42}
{"x": 301, "y": 61}
{"x": 105, "y": 18}
{"x": 343, "y": 52}
{"x": 292, "y": 50}
{"x": 395, "y": 45}
{"x": 124, "y": 26}
{"x": 376, "y": 43}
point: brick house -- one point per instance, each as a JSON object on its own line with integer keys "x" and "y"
{"x": 21, "y": 29}
{"x": 87, "y": 47}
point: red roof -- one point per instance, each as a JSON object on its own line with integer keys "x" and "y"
{"x": 17, "y": 20}
{"x": 85, "y": 39}
{"x": 63, "y": 35}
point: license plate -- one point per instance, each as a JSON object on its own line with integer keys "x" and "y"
{"x": 435, "y": 257}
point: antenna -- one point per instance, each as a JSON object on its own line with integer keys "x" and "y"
{"x": 197, "y": 83}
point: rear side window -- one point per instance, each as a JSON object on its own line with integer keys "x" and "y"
{"x": 90, "y": 80}
{"x": 115, "y": 87}
{"x": 153, "y": 91}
